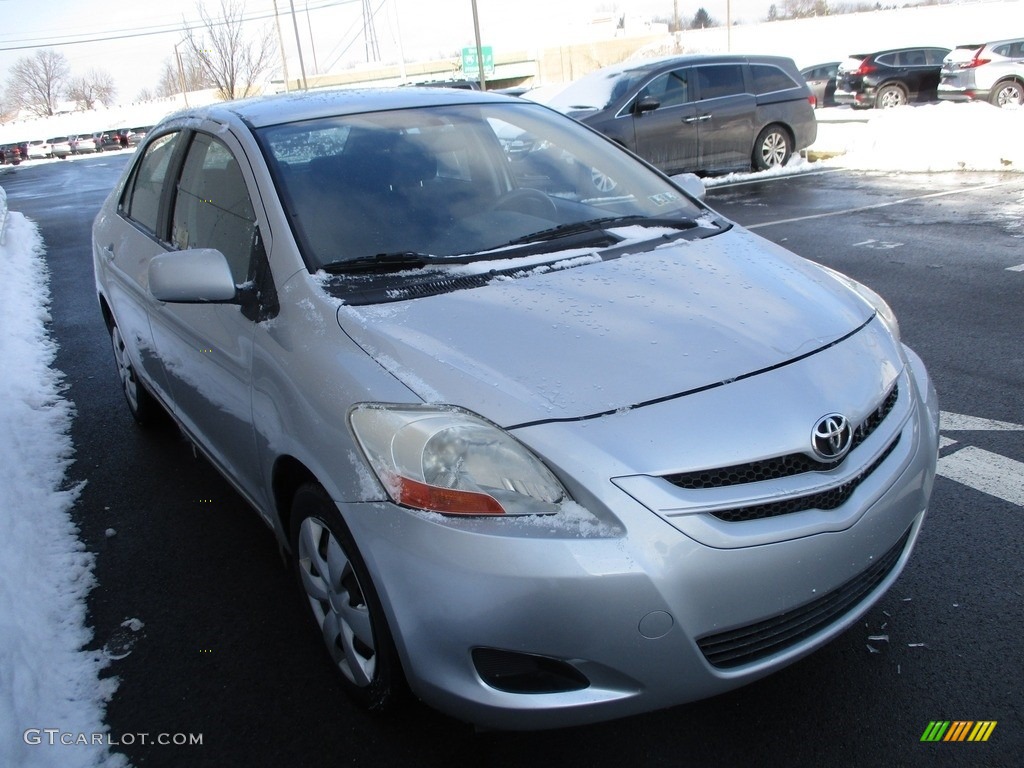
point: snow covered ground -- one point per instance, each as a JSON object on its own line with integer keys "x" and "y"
{"x": 46, "y": 680}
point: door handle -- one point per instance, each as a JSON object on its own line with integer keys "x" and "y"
{"x": 700, "y": 119}
{"x": 108, "y": 251}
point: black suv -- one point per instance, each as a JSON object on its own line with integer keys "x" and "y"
{"x": 698, "y": 113}
{"x": 890, "y": 78}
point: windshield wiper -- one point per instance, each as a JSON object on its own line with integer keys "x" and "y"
{"x": 598, "y": 225}
{"x": 382, "y": 262}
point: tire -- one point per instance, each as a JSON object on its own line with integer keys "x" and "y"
{"x": 142, "y": 405}
{"x": 343, "y": 601}
{"x": 1008, "y": 93}
{"x": 772, "y": 148}
{"x": 890, "y": 96}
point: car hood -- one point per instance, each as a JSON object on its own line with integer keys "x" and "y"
{"x": 610, "y": 335}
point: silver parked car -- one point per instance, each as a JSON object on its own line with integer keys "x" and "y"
{"x": 542, "y": 450}
{"x": 992, "y": 72}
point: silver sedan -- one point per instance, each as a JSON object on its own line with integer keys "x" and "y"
{"x": 548, "y": 440}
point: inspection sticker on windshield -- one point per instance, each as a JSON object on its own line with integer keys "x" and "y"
{"x": 663, "y": 198}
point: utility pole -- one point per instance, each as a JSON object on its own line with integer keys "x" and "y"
{"x": 298, "y": 45}
{"x": 280, "y": 43}
{"x": 479, "y": 49}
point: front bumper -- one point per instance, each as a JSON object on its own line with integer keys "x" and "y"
{"x": 626, "y": 598}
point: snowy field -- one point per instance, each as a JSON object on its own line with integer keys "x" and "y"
{"x": 46, "y": 680}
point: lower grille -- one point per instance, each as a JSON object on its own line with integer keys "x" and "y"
{"x": 753, "y": 642}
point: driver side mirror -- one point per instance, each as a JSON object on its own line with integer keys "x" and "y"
{"x": 194, "y": 276}
{"x": 646, "y": 104}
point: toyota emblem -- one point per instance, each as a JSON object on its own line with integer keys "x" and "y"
{"x": 832, "y": 437}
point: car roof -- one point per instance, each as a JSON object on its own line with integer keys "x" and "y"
{"x": 308, "y": 105}
{"x": 898, "y": 50}
{"x": 648, "y": 65}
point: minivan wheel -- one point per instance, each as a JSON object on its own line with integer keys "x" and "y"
{"x": 772, "y": 148}
{"x": 343, "y": 601}
{"x": 1008, "y": 93}
{"x": 142, "y": 405}
{"x": 890, "y": 96}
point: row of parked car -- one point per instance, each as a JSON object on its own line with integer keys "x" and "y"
{"x": 62, "y": 146}
{"x": 992, "y": 72}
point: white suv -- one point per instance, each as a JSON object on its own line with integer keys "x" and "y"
{"x": 992, "y": 72}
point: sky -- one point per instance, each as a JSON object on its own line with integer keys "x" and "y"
{"x": 46, "y": 680}
{"x": 148, "y": 31}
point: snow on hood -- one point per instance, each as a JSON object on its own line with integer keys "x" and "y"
{"x": 609, "y": 335}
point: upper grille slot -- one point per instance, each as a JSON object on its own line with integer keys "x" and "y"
{"x": 781, "y": 466}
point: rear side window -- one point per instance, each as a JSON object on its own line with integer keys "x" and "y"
{"x": 717, "y": 80}
{"x": 915, "y": 58}
{"x": 1014, "y": 50}
{"x": 888, "y": 60}
{"x": 143, "y": 202}
{"x": 934, "y": 57}
{"x": 768, "y": 79}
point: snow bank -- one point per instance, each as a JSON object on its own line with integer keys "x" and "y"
{"x": 936, "y": 137}
{"x": 46, "y": 679}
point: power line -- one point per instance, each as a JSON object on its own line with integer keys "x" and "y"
{"x": 127, "y": 34}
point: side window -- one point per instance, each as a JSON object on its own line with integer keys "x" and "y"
{"x": 768, "y": 79}
{"x": 671, "y": 89}
{"x": 934, "y": 57}
{"x": 720, "y": 80}
{"x": 914, "y": 58}
{"x": 212, "y": 207}
{"x": 889, "y": 60}
{"x": 142, "y": 201}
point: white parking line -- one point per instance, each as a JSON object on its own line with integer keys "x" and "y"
{"x": 1018, "y": 268}
{"x": 958, "y": 421}
{"x": 888, "y": 204}
{"x": 986, "y": 472}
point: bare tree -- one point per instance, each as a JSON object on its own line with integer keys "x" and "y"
{"x": 234, "y": 63}
{"x": 95, "y": 87}
{"x": 195, "y": 76}
{"x": 804, "y": 9}
{"x": 36, "y": 82}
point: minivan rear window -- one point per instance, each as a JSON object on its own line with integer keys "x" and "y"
{"x": 768, "y": 79}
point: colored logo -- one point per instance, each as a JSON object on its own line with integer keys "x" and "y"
{"x": 958, "y": 730}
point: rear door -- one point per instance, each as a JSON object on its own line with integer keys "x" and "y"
{"x": 123, "y": 253}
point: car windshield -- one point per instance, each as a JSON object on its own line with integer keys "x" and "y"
{"x": 596, "y": 91}
{"x": 428, "y": 183}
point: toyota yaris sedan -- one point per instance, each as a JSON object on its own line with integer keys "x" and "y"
{"x": 548, "y": 440}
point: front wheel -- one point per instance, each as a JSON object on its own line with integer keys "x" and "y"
{"x": 344, "y": 603}
{"x": 772, "y": 148}
{"x": 1008, "y": 93}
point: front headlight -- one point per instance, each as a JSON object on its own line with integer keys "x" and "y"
{"x": 879, "y": 304}
{"x": 453, "y": 462}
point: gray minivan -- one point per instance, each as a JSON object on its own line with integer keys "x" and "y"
{"x": 698, "y": 112}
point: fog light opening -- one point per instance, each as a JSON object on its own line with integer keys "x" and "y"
{"x": 514, "y": 672}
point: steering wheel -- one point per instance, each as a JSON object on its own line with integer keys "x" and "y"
{"x": 530, "y": 201}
